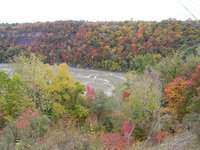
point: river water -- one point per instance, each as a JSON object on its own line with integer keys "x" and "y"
{"x": 99, "y": 80}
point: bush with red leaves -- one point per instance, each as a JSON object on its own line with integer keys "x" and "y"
{"x": 118, "y": 141}
{"x": 125, "y": 94}
{"x": 183, "y": 96}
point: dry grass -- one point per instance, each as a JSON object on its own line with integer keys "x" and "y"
{"x": 182, "y": 141}
{"x": 68, "y": 138}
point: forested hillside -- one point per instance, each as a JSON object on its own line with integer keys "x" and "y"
{"x": 116, "y": 46}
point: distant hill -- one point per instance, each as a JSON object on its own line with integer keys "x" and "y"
{"x": 101, "y": 45}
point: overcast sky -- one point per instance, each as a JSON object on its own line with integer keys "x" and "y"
{"x": 19, "y": 11}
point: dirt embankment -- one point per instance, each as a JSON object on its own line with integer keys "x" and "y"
{"x": 183, "y": 141}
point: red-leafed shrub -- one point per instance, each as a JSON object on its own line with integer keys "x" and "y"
{"x": 2, "y": 131}
{"x": 161, "y": 135}
{"x": 125, "y": 94}
{"x": 174, "y": 92}
{"x": 90, "y": 92}
{"x": 23, "y": 121}
{"x": 118, "y": 141}
{"x": 183, "y": 95}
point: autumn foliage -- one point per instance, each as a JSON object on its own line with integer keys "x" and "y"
{"x": 23, "y": 121}
{"x": 183, "y": 95}
{"x": 118, "y": 141}
{"x": 125, "y": 94}
{"x": 175, "y": 90}
{"x": 90, "y": 92}
{"x": 161, "y": 136}
{"x": 102, "y": 45}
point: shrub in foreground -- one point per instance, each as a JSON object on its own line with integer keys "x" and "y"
{"x": 24, "y": 132}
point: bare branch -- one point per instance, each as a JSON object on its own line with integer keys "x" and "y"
{"x": 129, "y": 135}
{"x": 189, "y": 11}
{"x": 152, "y": 130}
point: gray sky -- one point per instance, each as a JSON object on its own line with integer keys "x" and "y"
{"x": 19, "y": 11}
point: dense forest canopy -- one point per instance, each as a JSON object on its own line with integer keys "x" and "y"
{"x": 116, "y": 46}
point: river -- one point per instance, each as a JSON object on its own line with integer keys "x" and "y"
{"x": 99, "y": 80}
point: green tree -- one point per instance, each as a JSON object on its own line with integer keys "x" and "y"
{"x": 52, "y": 89}
{"x": 141, "y": 105}
{"x": 13, "y": 97}
{"x": 66, "y": 91}
{"x": 140, "y": 62}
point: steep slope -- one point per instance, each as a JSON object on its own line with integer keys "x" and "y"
{"x": 102, "y": 45}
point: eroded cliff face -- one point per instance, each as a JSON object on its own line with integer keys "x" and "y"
{"x": 21, "y": 38}
{"x": 13, "y": 34}
{"x": 20, "y": 34}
